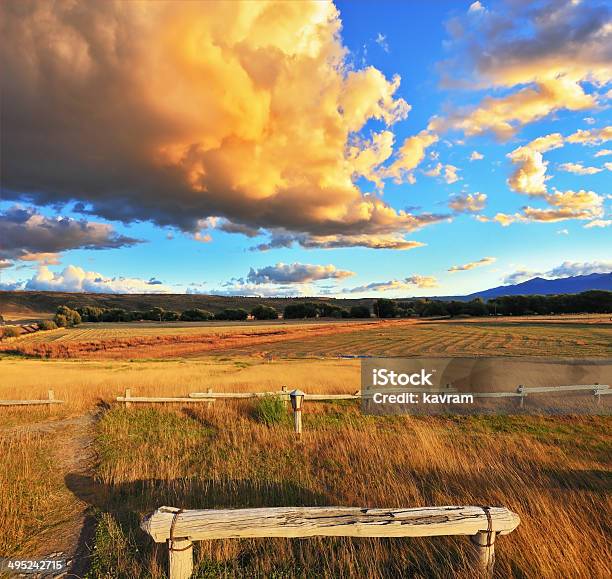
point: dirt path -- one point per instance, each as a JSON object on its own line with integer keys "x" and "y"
{"x": 74, "y": 454}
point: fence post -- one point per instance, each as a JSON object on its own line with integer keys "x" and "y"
{"x": 484, "y": 552}
{"x": 180, "y": 558}
{"x": 210, "y": 403}
{"x": 128, "y": 393}
{"x": 297, "y": 401}
{"x": 521, "y": 391}
{"x": 51, "y": 395}
{"x": 285, "y": 397}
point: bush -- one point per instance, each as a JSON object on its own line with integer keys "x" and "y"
{"x": 10, "y": 332}
{"x": 67, "y": 316}
{"x": 270, "y": 410}
{"x": 116, "y": 315}
{"x": 262, "y": 312}
{"x": 232, "y": 314}
{"x": 60, "y": 321}
{"x": 360, "y": 312}
{"x": 170, "y": 316}
{"x": 46, "y": 325}
{"x": 196, "y": 315}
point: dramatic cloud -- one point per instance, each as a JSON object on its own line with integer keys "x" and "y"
{"x": 473, "y": 264}
{"x": 29, "y": 236}
{"x": 530, "y": 174}
{"x": 76, "y": 279}
{"x": 542, "y": 54}
{"x": 468, "y": 203}
{"x": 287, "y": 273}
{"x": 566, "y": 269}
{"x": 579, "y": 169}
{"x": 248, "y": 111}
{"x": 409, "y": 283}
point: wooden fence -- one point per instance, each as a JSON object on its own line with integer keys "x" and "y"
{"x": 50, "y": 400}
{"x": 180, "y": 528}
{"x": 297, "y": 397}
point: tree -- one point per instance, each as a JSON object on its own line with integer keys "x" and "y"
{"x": 301, "y": 311}
{"x": 262, "y": 312}
{"x": 46, "y": 325}
{"x": 360, "y": 312}
{"x": 90, "y": 314}
{"x": 385, "y": 308}
{"x": 196, "y": 315}
{"x": 67, "y": 316}
{"x": 232, "y": 314}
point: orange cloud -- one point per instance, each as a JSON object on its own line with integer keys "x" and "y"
{"x": 247, "y": 111}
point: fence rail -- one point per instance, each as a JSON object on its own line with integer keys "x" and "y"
{"x": 180, "y": 528}
{"x": 50, "y": 400}
{"x": 297, "y": 397}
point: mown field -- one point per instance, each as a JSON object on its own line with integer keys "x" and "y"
{"x": 554, "y": 472}
{"x": 555, "y": 337}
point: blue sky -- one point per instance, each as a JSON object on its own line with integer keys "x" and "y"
{"x": 500, "y": 107}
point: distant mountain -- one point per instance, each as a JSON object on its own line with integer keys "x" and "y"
{"x": 541, "y": 286}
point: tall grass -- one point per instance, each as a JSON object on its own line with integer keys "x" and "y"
{"x": 222, "y": 457}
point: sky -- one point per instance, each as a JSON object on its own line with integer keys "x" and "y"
{"x": 348, "y": 149}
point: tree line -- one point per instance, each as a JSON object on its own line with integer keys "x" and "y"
{"x": 593, "y": 301}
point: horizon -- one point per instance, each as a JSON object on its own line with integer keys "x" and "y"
{"x": 394, "y": 150}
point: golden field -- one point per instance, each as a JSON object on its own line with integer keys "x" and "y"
{"x": 554, "y": 472}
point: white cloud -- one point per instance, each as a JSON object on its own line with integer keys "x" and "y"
{"x": 288, "y": 273}
{"x": 76, "y": 279}
{"x": 598, "y": 223}
{"x": 579, "y": 169}
{"x": 450, "y": 174}
{"x": 603, "y": 153}
{"x": 471, "y": 202}
{"x": 476, "y": 156}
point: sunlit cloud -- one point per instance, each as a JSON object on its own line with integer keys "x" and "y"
{"x": 409, "y": 283}
{"x": 471, "y": 202}
{"x": 473, "y": 264}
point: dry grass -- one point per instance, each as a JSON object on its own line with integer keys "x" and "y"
{"x": 556, "y": 337}
{"x": 223, "y": 458}
{"x": 33, "y": 500}
{"x": 554, "y": 472}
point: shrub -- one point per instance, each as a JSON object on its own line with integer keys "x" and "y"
{"x": 46, "y": 325}
{"x": 10, "y": 332}
{"x": 61, "y": 321}
{"x": 67, "y": 316}
{"x": 270, "y": 410}
{"x": 360, "y": 312}
{"x": 170, "y": 316}
{"x": 196, "y": 315}
{"x": 262, "y": 312}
